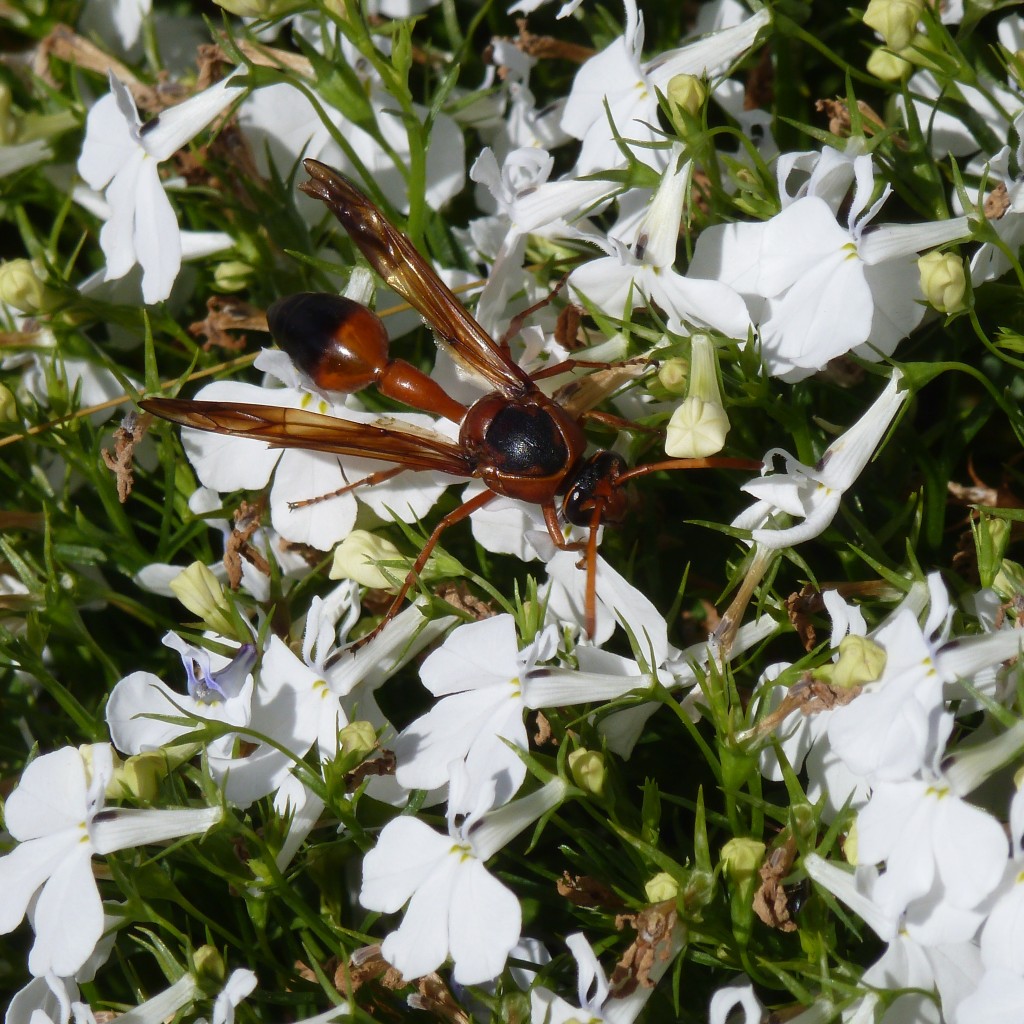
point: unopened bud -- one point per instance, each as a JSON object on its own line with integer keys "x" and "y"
{"x": 860, "y": 661}
{"x": 22, "y": 288}
{"x": 357, "y": 739}
{"x": 661, "y": 887}
{"x": 201, "y": 593}
{"x": 209, "y": 965}
{"x": 742, "y": 858}
{"x": 943, "y": 281}
{"x": 232, "y": 275}
{"x": 357, "y": 557}
{"x": 888, "y": 66}
{"x": 262, "y": 9}
{"x": 8, "y": 405}
{"x": 686, "y": 92}
{"x": 696, "y": 430}
{"x": 588, "y": 770}
{"x": 674, "y": 375}
{"x": 894, "y": 20}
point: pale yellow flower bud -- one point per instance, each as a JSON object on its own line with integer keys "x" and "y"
{"x": 232, "y": 275}
{"x": 201, "y": 593}
{"x": 264, "y": 9}
{"x": 696, "y": 430}
{"x": 887, "y": 66}
{"x": 357, "y": 739}
{"x": 943, "y": 281}
{"x": 209, "y": 964}
{"x": 742, "y": 858}
{"x": 850, "y": 845}
{"x": 894, "y": 20}
{"x": 356, "y": 558}
{"x": 661, "y": 887}
{"x": 674, "y": 375}
{"x": 588, "y": 770}
{"x": 860, "y": 661}
{"x": 8, "y": 405}
{"x": 22, "y": 288}
{"x": 687, "y": 92}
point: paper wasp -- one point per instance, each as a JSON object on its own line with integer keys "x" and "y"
{"x": 520, "y": 442}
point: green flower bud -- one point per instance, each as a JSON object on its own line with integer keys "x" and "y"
{"x": 686, "y": 92}
{"x": 356, "y": 558}
{"x": 201, "y": 593}
{"x": 588, "y": 770}
{"x": 674, "y": 375}
{"x": 232, "y": 275}
{"x": 209, "y": 965}
{"x": 888, "y": 66}
{"x": 742, "y": 858}
{"x": 8, "y": 405}
{"x": 22, "y": 288}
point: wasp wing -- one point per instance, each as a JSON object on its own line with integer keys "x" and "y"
{"x": 283, "y": 427}
{"x": 401, "y": 266}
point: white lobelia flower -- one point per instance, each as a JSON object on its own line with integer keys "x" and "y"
{"x": 478, "y": 673}
{"x": 952, "y": 967}
{"x": 617, "y": 84}
{"x": 292, "y": 707}
{"x": 641, "y": 270}
{"x": 58, "y": 817}
{"x": 813, "y": 493}
{"x": 455, "y": 907}
{"x": 218, "y": 690}
{"x": 1004, "y": 210}
{"x": 816, "y": 289}
{"x": 928, "y": 836}
{"x": 121, "y": 155}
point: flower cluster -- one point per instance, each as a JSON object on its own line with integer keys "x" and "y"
{"x": 422, "y": 676}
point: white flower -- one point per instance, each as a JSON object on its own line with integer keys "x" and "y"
{"x": 478, "y": 673}
{"x": 818, "y": 290}
{"x": 58, "y": 817}
{"x": 121, "y": 155}
{"x": 813, "y": 493}
{"x": 456, "y": 907}
{"x": 926, "y": 834}
{"x": 641, "y": 269}
{"x": 617, "y": 77}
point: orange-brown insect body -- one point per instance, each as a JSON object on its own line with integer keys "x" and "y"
{"x": 518, "y": 441}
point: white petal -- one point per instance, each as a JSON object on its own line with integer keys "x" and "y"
{"x": 117, "y": 236}
{"x": 157, "y": 238}
{"x": 971, "y": 851}
{"x": 26, "y": 868}
{"x": 484, "y": 924}
{"x": 178, "y": 125}
{"x": 128, "y": 827}
{"x": 407, "y": 853}
{"x": 68, "y": 917}
{"x": 475, "y": 656}
{"x": 108, "y": 143}
{"x": 420, "y": 945}
{"x": 50, "y": 797}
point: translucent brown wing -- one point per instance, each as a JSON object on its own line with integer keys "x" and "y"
{"x": 397, "y": 261}
{"x": 296, "y": 428}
